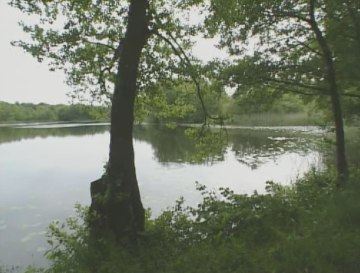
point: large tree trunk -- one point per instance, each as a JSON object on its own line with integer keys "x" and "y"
{"x": 116, "y": 206}
{"x": 330, "y": 76}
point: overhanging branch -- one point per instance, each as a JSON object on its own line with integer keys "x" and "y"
{"x": 179, "y": 51}
{"x": 99, "y": 44}
{"x": 319, "y": 90}
{"x": 350, "y": 95}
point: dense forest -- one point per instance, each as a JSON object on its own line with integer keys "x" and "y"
{"x": 26, "y": 112}
{"x": 181, "y": 107}
{"x": 285, "y": 59}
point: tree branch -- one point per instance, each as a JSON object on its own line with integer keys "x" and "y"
{"x": 294, "y": 15}
{"x": 350, "y": 95}
{"x": 102, "y": 80}
{"x": 99, "y": 44}
{"x": 179, "y": 51}
{"x": 308, "y": 47}
{"x": 319, "y": 90}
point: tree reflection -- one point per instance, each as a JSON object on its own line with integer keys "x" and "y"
{"x": 169, "y": 145}
{"x": 256, "y": 147}
{"x": 177, "y": 145}
{"x": 14, "y": 133}
{"x": 250, "y": 147}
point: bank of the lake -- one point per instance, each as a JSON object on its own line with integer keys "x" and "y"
{"x": 309, "y": 226}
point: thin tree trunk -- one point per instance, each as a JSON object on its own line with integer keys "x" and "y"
{"x": 330, "y": 75}
{"x": 354, "y": 17}
{"x": 116, "y": 204}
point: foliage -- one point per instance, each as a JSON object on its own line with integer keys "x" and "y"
{"x": 308, "y": 227}
{"x": 210, "y": 145}
{"x": 84, "y": 39}
{"x": 178, "y": 101}
{"x": 177, "y": 104}
{"x": 297, "y": 46}
{"x": 276, "y": 50}
{"x": 45, "y": 112}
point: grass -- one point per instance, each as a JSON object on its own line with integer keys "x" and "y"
{"x": 277, "y": 119}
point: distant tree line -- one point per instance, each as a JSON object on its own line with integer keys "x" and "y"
{"x": 178, "y": 104}
{"x": 46, "y": 112}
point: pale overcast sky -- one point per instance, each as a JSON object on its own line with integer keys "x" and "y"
{"x": 23, "y": 79}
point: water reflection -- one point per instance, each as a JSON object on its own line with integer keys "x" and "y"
{"x": 44, "y": 171}
{"x": 18, "y": 133}
{"x": 169, "y": 145}
{"x": 251, "y": 147}
{"x": 256, "y": 147}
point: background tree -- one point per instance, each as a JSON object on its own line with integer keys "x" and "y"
{"x": 178, "y": 101}
{"x": 126, "y": 45}
{"x": 291, "y": 46}
{"x": 45, "y": 112}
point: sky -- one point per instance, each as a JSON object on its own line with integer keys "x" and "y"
{"x": 23, "y": 79}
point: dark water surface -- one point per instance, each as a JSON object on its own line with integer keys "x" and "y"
{"x": 46, "y": 168}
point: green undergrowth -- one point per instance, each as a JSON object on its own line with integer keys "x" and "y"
{"x": 310, "y": 226}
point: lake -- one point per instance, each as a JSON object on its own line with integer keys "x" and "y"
{"x": 46, "y": 168}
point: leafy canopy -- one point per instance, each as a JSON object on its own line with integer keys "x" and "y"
{"x": 83, "y": 38}
{"x": 274, "y": 47}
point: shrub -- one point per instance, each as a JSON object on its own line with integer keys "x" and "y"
{"x": 310, "y": 226}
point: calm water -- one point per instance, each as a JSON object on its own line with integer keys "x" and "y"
{"x": 46, "y": 169}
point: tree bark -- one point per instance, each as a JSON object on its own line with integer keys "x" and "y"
{"x": 330, "y": 76}
{"x": 116, "y": 206}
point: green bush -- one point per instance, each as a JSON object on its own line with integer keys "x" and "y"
{"x": 310, "y": 226}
